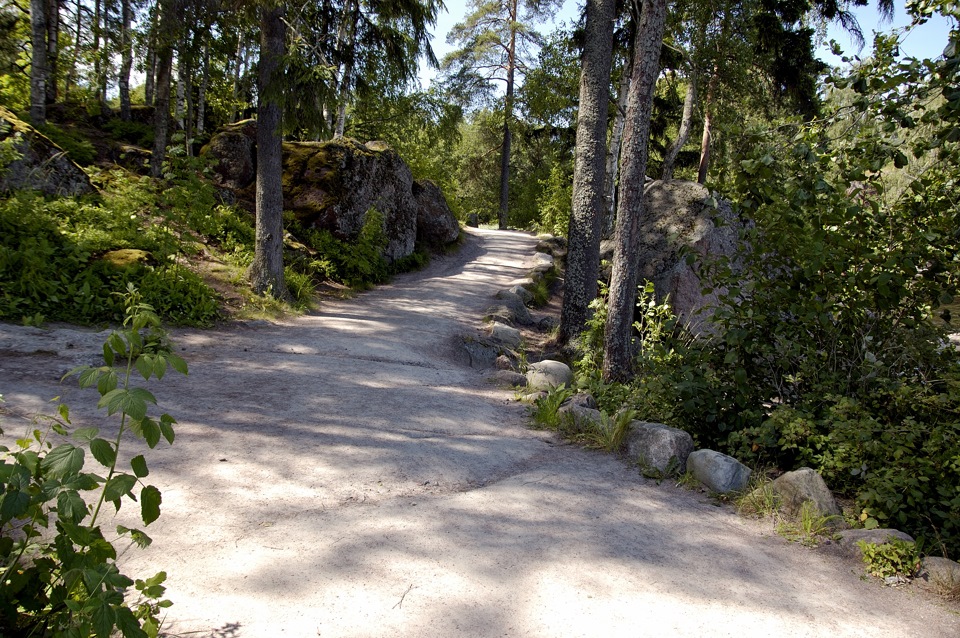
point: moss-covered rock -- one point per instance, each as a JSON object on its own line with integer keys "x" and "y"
{"x": 38, "y": 163}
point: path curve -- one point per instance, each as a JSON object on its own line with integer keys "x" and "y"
{"x": 346, "y": 474}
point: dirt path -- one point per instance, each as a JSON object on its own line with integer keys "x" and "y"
{"x": 345, "y": 474}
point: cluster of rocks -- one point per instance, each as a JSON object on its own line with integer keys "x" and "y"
{"x": 335, "y": 185}
{"x": 500, "y": 345}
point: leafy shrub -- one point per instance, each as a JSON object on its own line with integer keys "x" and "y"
{"x": 358, "y": 264}
{"x": 65, "y": 581}
{"x": 894, "y": 558}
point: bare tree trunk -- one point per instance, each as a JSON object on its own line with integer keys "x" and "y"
{"x": 68, "y": 81}
{"x": 583, "y": 258}
{"x": 202, "y": 92}
{"x": 181, "y": 82}
{"x": 502, "y": 216}
{"x": 617, "y": 352}
{"x": 126, "y": 56}
{"x": 149, "y": 83}
{"x": 266, "y": 271}
{"x": 166, "y": 36}
{"x": 707, "y": 138}
{"x": 613, "y": 152}
{"x": 53, "y": 49}
{"x": 348, "y": 27}
{"x": 38, "y": 62}
{"x": 95, "y": 34}
{"x": 104, "y": 58}
{"x": 240, "y": 62}
{"x": 686, "y": 124}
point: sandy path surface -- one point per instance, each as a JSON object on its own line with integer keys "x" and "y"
{"x": 346, "y": 474}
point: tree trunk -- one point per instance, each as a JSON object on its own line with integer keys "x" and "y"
{"x": 181, "y": 82}
{"x": 345, "y": 39}
{"x": 166, "y": 36}
{"x": 583, "y": 258}
{"x": 149, "y": 83}
{"x": 104, "y": 58}
{"x": 38, "y": 62}
{"x": 507, "y": 117}
{"x": 202, "y": 92}
{"x": 95, "y": 34}
{"x": 237, "y": 69}
{"x": 707, "y": 138}
{"x": 686, "y": 123}
{"x": 613, "y": 152}
{"x": 266, "y": 271}
{"x": 53, "y": 49}
{"x": 617, "y": 352}
{"x": 68, "y": 81}
{"x": 126, "y": 56}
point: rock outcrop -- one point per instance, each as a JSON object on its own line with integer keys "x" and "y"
{"x": 336, "y": 185}
{"x": 39, "y": 164}
{"x": 679, "y": 217}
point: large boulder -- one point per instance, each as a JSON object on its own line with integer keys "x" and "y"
{"x": 336, "y": 185}
{"x": 38, "y": 164}
{"x": 719, "y": 472}
{"x": 234, "y": 149}
{"x": 547, "y": 374}
{"x": 679, "y": 217}
{"x": 436, "y": 224}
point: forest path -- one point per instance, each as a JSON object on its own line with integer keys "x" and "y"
{"x": 346, "y": 474}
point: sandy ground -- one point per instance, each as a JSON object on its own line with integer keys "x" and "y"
{"x": 346, "y": 474}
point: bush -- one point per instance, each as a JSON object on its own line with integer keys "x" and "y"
{"x": 65, "y": 581}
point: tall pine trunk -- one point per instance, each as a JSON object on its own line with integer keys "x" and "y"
{"x": 345, "y": 39}
{"x": 167, "y": 24}
{"x": 38, "y": 62}
{"x": 583, "y": 258}
{"x": 707, "y": 139}
{"x": 617, "y": 351}
{"x": 613, "y": 152}
{"x": 202, "y": 91}
{"x": 53, "y": 49}
{"x": 150, "y": 64}
{"x": 503, "y": 213}
{"x": 266, "y": 271}
{"x": 72, "y": 72}
{"x": 686, "y": 125}
{"x": 126, "y": 57}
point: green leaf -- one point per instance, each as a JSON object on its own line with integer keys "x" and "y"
{"x": 128, "y": 624}
{"x": 104, "y": 620}
{"x": 118, "y": 486}
{"x": 107, "y": 382}
{"x": 137, "y": 536}
{"x": 108, "y": 355}
{"x": 150, "y": 500}
{"x": 139, "y": 465}
{"x": 103, "y": 451}
{"x": 71, "y": 506}
{"x": 13, "y": 505}
{"x": 166, "y": 427}
{"x": 85, "y": 435}
{"x": 144, "y": 365}
{"x": 176, "y": 363}
{"x": 63, "y": 460}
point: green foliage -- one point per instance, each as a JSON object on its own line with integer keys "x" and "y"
{"x": 556, "y": 201}
{"x": 80, "y": 150}
{"x": 359, "y": 263}
{"x": 808, "y": 526}
{"x": 896, "y": 557}
{"x": 136, "y": 133}
{"x": 545, "y": 408}
{"x": 60, "y": 576}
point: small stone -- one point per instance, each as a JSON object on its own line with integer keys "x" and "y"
{"x": 797, "y": 487}
{"x": 548, "y": 374}
{"x": 510, "y": 378}
{"x": 657, "y": 446}
{"x": 719, "y": 472}
{"x": 578, "y": 417}
{"x": 505, "y": 334}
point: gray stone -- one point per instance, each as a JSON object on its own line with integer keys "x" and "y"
{"x": 511, "y": 309}
{"x": 533, "y": 397}
{"x": 510, "y": 378}
{"x": 479, "y": 352}
{"x": 847, "y": 539}
{"x": 504, "y": 362}
{"x": 233, "y": 147}
{"x": 719, "y": 472}
{"x": 473, "y": 220}
{"x": 578, "y": 418}
{"x": 42, "y": 165}
{"x": 505, "y": 334}
{"x": 436, "y": 224}
{"x": 583, "y": 399}
{"x": 942, "y": 573}
{"x": 546, "y": 324}
{"x": 548, "y": 374}
{"x": 556, "y": 246}
{"x": 523, "y": 293}
{"x": 659, "y": 446}
{"x": 805, "y": 484}
{"x": 543, "y": 259}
